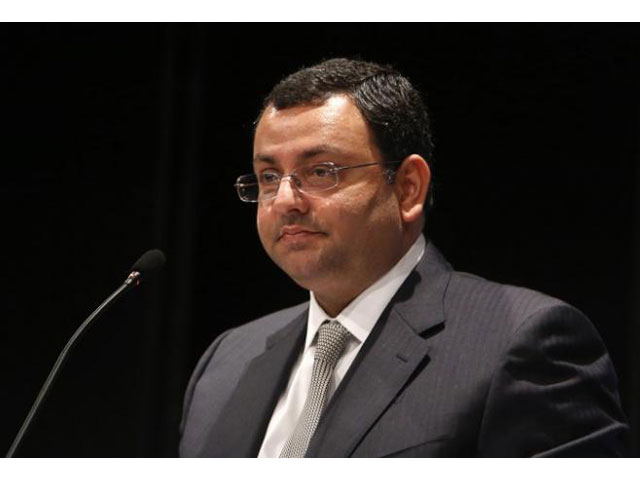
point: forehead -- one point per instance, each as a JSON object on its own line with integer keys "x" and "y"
{"x": 336, "y": 125}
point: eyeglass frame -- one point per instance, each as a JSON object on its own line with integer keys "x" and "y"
{"x": 334, "y": 170}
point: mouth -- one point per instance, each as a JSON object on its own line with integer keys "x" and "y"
{"x": 295, "y": 232}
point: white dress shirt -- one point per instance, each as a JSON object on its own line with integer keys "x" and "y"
{"x": 359, "y": 317}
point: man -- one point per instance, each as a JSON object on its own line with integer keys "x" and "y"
{"x": 395, "y": 354}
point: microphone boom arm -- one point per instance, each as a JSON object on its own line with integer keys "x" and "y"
{"x": 131, "y": 281}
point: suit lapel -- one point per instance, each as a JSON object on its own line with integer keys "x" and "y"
{"x": 244, "y": 420}
{"x": 394, "y": 350}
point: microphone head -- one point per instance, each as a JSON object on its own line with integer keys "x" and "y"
{"x": 149, "y": 263}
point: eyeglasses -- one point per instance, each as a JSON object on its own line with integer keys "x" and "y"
{"x": 307, "y": 179}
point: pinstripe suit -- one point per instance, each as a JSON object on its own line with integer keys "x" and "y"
{"x": 455, "y": 366}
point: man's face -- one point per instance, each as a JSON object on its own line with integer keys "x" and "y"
{"x": 338, "y": 241}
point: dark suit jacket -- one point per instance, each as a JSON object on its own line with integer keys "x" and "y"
{"x": 455, "y": 366}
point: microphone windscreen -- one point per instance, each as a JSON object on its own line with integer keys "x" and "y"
{"x": 150, "y": 262}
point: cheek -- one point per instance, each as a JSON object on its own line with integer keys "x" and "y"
{"x": 262, "y": 224}
{"x": 368, "y": 220}
{"x": 341, "y": 209}
{"x": 352, "y": 215}
{"x": 362, "y": 205}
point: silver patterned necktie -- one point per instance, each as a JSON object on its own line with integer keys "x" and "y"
{"x": 332, "y": 339}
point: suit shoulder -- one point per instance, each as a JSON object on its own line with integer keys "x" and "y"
{"x": 272, "y": 322}
{"x": 481, "y": 286}
{"x": 251, "y": 337}
{"x": 493, "y": 302}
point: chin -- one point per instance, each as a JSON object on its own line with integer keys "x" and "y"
{"x": 304, "y": 274}
{"x": 309, "y": 268}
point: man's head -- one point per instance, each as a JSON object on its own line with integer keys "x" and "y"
{"x": 336, "y": 242}
{"x": 391, "y": 105}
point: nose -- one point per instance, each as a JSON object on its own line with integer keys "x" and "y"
{"x": 289, "y": 197}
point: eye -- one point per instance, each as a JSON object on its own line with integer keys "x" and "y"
{"x": 268, "y": 177}
{"x": 321, "y": 171}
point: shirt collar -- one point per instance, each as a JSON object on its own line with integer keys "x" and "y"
{"x": 360, "y": 316}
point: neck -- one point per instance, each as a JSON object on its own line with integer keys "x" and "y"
{"x": 333, "y": 306}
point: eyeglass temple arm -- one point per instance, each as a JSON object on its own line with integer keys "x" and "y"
{"x": 384, "y": 164}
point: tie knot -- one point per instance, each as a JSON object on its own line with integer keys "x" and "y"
{"x": 332, "y": 339}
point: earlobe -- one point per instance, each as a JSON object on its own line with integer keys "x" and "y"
{"x": 412, "y": 183}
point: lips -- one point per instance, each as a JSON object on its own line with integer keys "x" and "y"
{"x": 296, "y": 231}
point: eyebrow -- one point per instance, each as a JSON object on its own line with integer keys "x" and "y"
{"x": 264, "y": 158}
{"x": 305, "y": 155}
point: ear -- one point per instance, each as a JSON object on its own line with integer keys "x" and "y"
{"x": 413, "y": 181}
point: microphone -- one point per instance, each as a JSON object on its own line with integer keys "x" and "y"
{"x": 145, "y": 267}
{"x": 149, "y": 263}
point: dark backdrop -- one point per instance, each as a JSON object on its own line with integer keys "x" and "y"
{"x": 119, "y": 138}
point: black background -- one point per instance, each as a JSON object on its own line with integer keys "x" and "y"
{"x": 119, "y": 138}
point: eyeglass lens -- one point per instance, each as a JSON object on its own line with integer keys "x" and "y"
{"x": 308, "y": 179}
